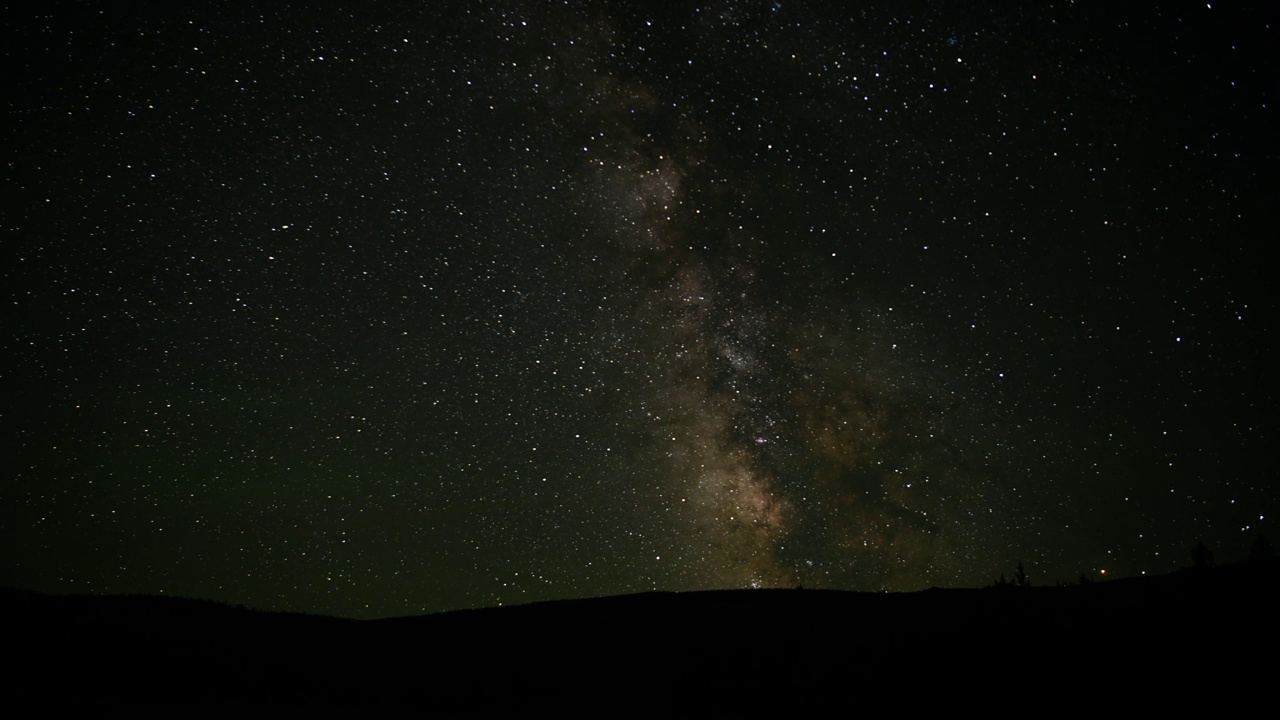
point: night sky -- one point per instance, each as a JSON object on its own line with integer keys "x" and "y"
{"x": 409, "y": 307}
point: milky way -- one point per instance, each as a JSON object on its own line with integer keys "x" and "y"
{"x": 375, "y": 313}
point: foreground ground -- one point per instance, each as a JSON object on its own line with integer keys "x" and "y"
{"x": 1207, "y": 637}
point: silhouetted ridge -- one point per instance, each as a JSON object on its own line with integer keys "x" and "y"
{"x": 719, "y": 649}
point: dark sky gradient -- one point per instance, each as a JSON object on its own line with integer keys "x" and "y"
{"x": 417, "y": 306}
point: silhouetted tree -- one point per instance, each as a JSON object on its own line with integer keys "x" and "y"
{"x": 1202, "y": 556}
{"x": 1019, "y": 579}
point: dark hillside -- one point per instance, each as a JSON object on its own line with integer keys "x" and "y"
{"x": 1196, "y": 630}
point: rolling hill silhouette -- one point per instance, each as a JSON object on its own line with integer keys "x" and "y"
{"x": 1209, "y": 630}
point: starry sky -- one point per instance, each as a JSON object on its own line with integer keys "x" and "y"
{"x": 403, "y": 307}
